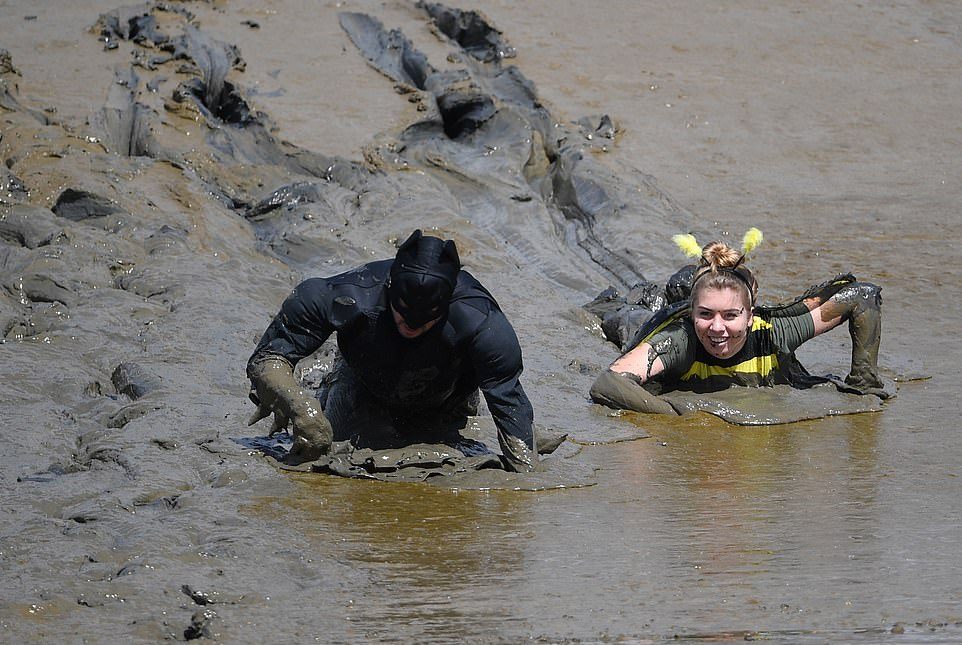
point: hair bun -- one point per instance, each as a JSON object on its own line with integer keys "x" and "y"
{"x": 719, "y": 255}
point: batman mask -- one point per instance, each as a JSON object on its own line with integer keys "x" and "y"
{"x": 423, "y": 277}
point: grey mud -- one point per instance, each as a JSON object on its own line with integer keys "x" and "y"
{"x": 144, "y": 246}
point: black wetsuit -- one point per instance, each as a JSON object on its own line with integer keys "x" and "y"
{"x": 472, "y": 347}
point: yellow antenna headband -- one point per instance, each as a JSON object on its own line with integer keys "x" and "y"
{"x": 751, "y": 241}
{"x": 691, "y": 248}
{"x": 688, "y": 245}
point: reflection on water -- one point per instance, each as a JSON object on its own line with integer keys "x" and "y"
{"x": 426, "y": 552}
{"x": 734, "y": 528}
{"x": 706, "y": 530}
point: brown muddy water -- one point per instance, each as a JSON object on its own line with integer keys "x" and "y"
{"x": 134, "y": 508}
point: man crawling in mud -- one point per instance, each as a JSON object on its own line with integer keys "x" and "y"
{"x": 418, "y": 337}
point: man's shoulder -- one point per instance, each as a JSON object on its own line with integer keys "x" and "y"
{"x": 358, "y": 289}
{"x": 365, "y": 275}
{"x": 473, "y": 309}
{"x": 470, "y": 288}
{"x": 471, "y": 301}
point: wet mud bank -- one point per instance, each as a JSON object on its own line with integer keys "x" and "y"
{"x": 144, "y": 248}
{"x": 153, "y": 217}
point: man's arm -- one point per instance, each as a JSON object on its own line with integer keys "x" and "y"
{"x": 297, "y": 331}
{"x": 300, "y": 327}
{"x": 496, "y": 357}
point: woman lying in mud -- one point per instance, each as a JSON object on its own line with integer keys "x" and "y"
{"x": 719, "y": 338}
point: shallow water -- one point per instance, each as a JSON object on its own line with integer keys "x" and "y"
{"x": 833, "y": 128}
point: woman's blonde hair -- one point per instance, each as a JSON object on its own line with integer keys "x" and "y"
{"x": 721, "y": 266}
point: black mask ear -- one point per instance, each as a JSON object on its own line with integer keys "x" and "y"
{"x": 428, "y": 255}
{"x": 450, "y": 259}
{"x": 406, "y": 247}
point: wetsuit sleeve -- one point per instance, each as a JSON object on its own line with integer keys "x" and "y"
{"x": 496, "y": 358}
{"x": 791, "y": 331}
{"x": 301, "y": 326}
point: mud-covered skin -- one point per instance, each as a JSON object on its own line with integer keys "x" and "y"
{"x": 688, "y": 365}
{"x": 473, "y": 346}
{"x": 812, "y": 298}
{"x": 104, "y": 524}
{"x": 778, "y": 404}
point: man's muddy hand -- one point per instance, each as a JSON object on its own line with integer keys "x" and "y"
{"x": 276, "y": 391}
{"x": 517, "y": 456}
{"x": 313, "y": 434}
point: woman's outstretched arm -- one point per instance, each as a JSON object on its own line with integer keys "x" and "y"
{"x": 642, "y": 361}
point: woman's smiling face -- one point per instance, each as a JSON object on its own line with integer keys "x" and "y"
{"x": 722, "y": 319}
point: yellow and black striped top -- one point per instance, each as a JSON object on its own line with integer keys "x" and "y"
{"x": 688, "y": 366}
